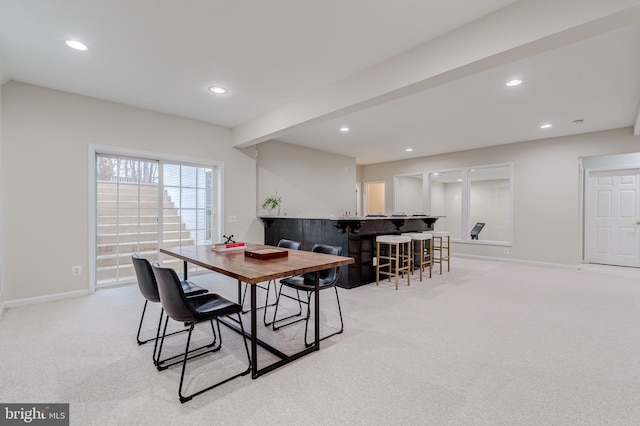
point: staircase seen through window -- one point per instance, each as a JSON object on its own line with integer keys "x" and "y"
{"x": 143, "y": 205}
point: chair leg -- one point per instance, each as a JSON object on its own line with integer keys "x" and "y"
{"x": 266, "y": 303}
{"x": 448, "y": 254}
{"x": 156, "y": 356}
{"x": 397, "y": 263}
{"x": 244, "y": 296}
{"x": 142, "y": 342}
{"x": 184, "y": 366}
{"x": 309, "y": 315}
{"x": 430, "y": 257}
{"x": 421, "y": 251}
{"x": 185, "y": 398}
{"x": 155, "y": 339}
{"x": 378, "y": 263}
{"x": 161, "y": 364}
{"x": 275, "y": 313}
{"x": 155, "y": 361}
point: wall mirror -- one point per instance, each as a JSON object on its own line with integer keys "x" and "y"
{"x": 490, "y": 202}
{"x": 445, "y": 199}
{"x": 471, "y": 196}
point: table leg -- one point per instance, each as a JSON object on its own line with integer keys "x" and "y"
{"x": 255, "y": 341}
{"x": 316, "y": 318}
{"x": 254, "y": 333}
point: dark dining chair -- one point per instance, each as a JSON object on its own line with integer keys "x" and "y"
{"x": 149, "y": 289}
{"x": 191, "y": 311}
{"x": 283, "y": 243}
{"x": 306, "y": 283}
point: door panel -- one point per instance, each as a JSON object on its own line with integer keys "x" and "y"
{"x": 613, "y": 210}
{"x": 603, "y": 242}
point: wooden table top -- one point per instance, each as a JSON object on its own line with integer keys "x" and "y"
{"x": 251, "y": 271}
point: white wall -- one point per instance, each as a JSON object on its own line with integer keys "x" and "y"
{"x": 44, "y": 177}
{"x": 546, "y": 183}
{"x": 3, "y": 78}
{"x": 1, "y": 209}
{"x": 311, "y": 183}
{"x": 408, "y": 193}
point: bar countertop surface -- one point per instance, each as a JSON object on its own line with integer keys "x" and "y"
{"x": 372, "y": 217}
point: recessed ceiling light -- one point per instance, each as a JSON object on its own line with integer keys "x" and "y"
{"x": 546, "y": 126}
{"x": 514, "y": 82}
{"x": 344, "y": 129}
{"x": 75, "y": 44}
{"x": 409, "y": 149}
{"x": 218, "y": 90}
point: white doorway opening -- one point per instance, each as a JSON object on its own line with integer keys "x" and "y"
{"x": 374, "y": 198}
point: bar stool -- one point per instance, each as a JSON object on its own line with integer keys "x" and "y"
{"x": 441, "y": 247}
{"x": 397, "y": 257}
{"x": 422, "y": 255}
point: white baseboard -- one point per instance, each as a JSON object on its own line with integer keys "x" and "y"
{"x": 520, "y": 261}
{"x": 42, "y": 299}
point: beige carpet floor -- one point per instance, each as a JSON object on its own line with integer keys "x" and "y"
{"x": 490, "y": 343}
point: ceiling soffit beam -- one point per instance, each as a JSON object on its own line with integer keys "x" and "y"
{"x": 523, "y": 29}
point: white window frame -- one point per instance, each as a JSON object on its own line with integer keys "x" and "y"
{"x": 94, "y": 150}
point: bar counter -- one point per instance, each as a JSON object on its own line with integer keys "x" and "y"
{"x": 356, "y": 236}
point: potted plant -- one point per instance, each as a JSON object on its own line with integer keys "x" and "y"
{"x": 272, "y": 202}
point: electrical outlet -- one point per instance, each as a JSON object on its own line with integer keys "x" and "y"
{"x": 76, "y": 270}
{"x": 232, "y": 218}
{"x": 506, "y": 251}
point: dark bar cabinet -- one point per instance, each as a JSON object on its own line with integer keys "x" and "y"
{"x": 356, "y": 236}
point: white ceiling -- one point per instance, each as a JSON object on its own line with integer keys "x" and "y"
{"x": 596, "y": 80}
{"x": 162, "y": 55}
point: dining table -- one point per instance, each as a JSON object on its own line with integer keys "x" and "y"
{"x": 236, "y": 264}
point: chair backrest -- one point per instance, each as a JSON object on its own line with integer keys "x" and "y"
{"x": 329, "y": 276}
{"x": 146, "y": 279}
{"x": 172, "y": 297}
{"x": 290, "y": 244}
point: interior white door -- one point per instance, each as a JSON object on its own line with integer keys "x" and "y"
{"x": 613, "y": 218}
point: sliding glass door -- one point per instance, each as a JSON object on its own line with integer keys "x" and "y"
{"x": 142, "y": 205}
{"x": 188, "y": 210}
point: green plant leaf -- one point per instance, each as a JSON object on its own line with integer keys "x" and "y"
{"x": 272, "y": 201}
